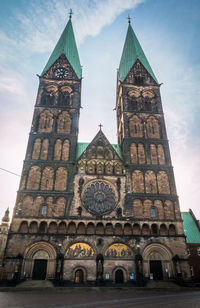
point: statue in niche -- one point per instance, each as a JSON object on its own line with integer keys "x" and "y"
{"x": 81, "y": 182}
{"x": 99, "y": 266}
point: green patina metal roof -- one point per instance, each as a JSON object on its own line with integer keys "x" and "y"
{"x": 191, "y": 230}
{"x": 131, "y": 52}
{"x": 81, "y": 147}
{"x": 67, "y": 46}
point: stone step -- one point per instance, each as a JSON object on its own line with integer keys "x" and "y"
{"x": 35, "y": 284}
{"x": 161, "y": 284}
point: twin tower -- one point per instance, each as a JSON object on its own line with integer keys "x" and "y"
{"x": 97, "y": 212}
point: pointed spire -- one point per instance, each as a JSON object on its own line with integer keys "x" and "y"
{"x": 6, "y": 216}
{"x": 66, "y": 45}
{"x": 131, "y": 52}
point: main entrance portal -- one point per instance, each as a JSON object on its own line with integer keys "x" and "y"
{"x": 39, "y": 269}
{"x": 156, "y": 269}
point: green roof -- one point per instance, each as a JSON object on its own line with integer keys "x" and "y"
{"x": 81, "y": 147}
{"x": 131, "y": 52}
{"x": 67, "y": 46}
{"x": 191, "y": 230}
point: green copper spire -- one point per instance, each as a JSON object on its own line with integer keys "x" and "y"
{"x": 131, "y": 52}
{"x": 67, "y": 46}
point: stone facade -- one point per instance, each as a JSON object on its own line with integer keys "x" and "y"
{"x": 97, "y": 212}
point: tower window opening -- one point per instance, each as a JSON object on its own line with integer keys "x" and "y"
{"x": 153, "y": 211}
{"x": 135, "y": 128}
{"x": 49, "y": 123}
{"x": 60, "y": 123}
{"x": 44, "y": 210}
{"x": 47, "y": 183}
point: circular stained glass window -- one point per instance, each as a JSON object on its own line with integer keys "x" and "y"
{"x": 99, "y": 198}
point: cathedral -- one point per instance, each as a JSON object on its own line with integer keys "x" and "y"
{"x": 97, "y": 212}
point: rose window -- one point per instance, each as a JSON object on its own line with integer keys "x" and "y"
{"x": 99, "y": 198}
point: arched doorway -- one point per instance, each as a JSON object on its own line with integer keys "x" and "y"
{"x": 119, "y": 276}
{"x": 39, "y": 261}
{"x": 79, "y": 276}
{"x": 157, "y": 262}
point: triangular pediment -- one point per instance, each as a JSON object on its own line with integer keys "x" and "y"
{"x": 100, "y": 148}
{"x": 138, "y": 75}
{"x": 62, "y": 64}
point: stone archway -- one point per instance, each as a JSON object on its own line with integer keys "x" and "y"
{"x": 39, "y": 261}
{"x": 157, "y": 261}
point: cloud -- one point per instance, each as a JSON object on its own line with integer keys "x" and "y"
{"x": 39, "y": 27}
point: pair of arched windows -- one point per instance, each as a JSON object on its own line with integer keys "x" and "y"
{"x": 150, "y": 182}
{"x": 136, "y": 127}
{"x": 46, "y": 121}
{"x": 46, "y": 181}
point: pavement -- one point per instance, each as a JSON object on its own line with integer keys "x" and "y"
{"x": 100, "y": 298}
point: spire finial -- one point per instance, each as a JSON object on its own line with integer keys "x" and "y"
{"x": 129, "y": 19}
{"x": 70, "y": 13}
{"x": 100, "y": 125}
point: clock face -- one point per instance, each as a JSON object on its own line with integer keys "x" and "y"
{"x": 60, "y": 73}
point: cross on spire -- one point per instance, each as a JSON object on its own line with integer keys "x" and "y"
{"x": 129, "y": 19}
{"x": 100, "y": 125}
{"x": 70, "y": 13}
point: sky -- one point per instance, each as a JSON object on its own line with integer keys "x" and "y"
{"x": 169, "y": 34}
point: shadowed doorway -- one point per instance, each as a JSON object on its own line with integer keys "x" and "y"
{"x": 156, "y": 270}
{"x": 119, "y": 276}
{"x": 39, "y": 269}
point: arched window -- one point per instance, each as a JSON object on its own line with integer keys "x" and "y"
{"x": 45, "y": 122}
{"x": 133, "y": 153}
{"x": 60, "y": 207}
{"x": 65, "y": 150}
{"x": 147, "y": 208}
{"x": 57, "y": 149}
{"x": 64, "y": 123}
{"x": 161, "y": 154}
{"x": 48, "y": 96}
{"x": 135, "y": 127}
{"x": 27, "y": 206}
{"x": 153, "y": 154}
{"x": 137, "y": 208}
{"x": 141, "y": 154}
{"x": 34, "y": 178}
{"x": 44, "y": 149}
{"x": 150, "y": 182}
{"x": 64, "y": 96}
{"x": 163, "y": 183}
{"x": 153, "y": 129}
{"x": 36, "y": 148}
{"x": 47, "y": 179}
{"x": 137, "y": 182}
{"x": 61, "y": 179}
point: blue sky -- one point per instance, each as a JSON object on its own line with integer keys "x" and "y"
{"x": 169, "y": 34}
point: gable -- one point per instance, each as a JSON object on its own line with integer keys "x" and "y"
{"x": 138, "y": 75}
{"x": 99, "y": 148}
